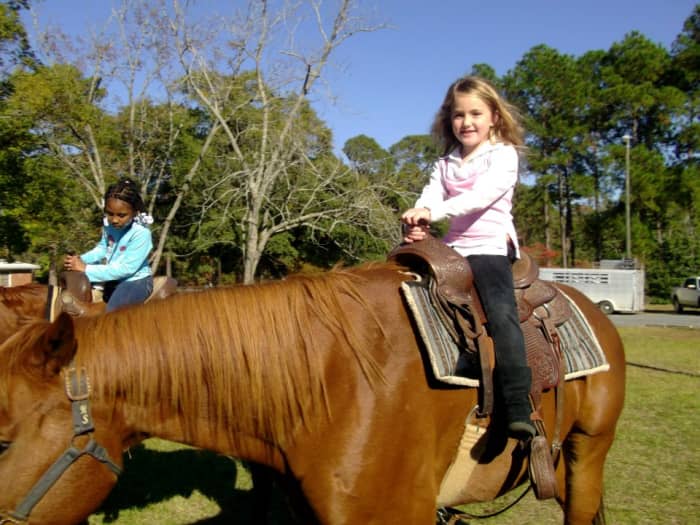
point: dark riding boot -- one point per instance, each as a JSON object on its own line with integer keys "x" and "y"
{"x": 514, "y": 388}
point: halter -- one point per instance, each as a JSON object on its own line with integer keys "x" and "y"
{"x": 78, "y": 391}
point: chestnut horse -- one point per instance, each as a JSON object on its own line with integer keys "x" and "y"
{"x": 19, "y": 304}
{"x": 319, "y": 377}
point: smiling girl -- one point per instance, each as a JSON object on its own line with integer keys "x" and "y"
{"x": 472, "y": 185}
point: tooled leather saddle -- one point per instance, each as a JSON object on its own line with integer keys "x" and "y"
{"x": 75, "y": 295}
{"x": 541, "y": 308}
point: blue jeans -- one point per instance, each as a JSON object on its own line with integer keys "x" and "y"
{"x": 129, "y": 292}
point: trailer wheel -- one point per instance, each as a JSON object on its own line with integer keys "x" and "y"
{"x": 677, "y": 307}
{"x": 606, "y": 307}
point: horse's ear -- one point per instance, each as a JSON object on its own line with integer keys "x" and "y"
{"x": 58, "y": 345}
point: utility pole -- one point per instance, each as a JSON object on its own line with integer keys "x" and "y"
{"x": 628, "y": 232}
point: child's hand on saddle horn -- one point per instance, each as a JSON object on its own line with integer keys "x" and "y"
{"x": 73, "y": 262}
{"x": 416, "y": 224}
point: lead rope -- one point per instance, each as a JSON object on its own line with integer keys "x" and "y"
{"x": 452, "y": 516}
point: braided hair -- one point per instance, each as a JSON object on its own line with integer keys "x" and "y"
{"x": 127, "y": 191}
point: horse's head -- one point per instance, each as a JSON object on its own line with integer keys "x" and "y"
{"x": 56, "y": 461}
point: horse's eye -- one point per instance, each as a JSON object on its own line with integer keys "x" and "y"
{"x": 4, "y": 445}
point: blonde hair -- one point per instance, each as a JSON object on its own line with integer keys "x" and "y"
{"x": 506, "y": 127}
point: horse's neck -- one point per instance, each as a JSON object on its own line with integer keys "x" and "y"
{"x": 153, "y": 422}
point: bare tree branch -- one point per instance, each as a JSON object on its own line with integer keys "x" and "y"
{"x": 261, "y": 169}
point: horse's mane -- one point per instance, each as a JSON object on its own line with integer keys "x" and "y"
{"x": 246, "y": 352}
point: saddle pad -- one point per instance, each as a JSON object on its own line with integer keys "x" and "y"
{"x": 582, "y": 352}
{"x": 442, "y": 350}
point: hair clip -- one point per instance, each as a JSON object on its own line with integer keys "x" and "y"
{"x": 144, "y": 219}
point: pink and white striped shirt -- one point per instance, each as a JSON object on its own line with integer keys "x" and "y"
{"x": 476, "y": 195}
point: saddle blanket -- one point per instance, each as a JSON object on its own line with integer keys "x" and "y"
{"x": 581, "y": 351}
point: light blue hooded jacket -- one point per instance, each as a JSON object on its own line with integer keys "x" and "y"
{"x": 120, "y": 255}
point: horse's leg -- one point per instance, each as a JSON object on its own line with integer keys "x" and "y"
{"x": 584, "y": 488}
{"x": 600, "y": 399}
{"x": 277, "y": 498}
{"x": 261, "y": 494}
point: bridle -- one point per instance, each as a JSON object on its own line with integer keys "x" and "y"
{"x": 77, "y": 388}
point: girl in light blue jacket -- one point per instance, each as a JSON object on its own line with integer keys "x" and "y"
{"x": 120, "y": 258}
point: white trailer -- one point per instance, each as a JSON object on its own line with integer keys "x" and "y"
{"x": 612, "y": 289}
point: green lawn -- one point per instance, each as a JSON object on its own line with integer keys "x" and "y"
{"x": 652, "y": 473}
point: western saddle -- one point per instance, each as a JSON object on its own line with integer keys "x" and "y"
{"x": 77, "y": 296}
{"x": 541, "y": 308}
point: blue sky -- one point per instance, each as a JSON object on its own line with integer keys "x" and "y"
{"x": 388, "y": 84}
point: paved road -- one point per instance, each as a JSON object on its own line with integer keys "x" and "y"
{"x": 689, "y": 318}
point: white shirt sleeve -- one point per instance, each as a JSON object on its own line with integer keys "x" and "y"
{"x": 434, "y": 192}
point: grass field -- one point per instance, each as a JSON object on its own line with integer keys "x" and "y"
{"x": 652, "y": 473}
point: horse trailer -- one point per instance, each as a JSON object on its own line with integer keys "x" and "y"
{"x": 612, "y": 287}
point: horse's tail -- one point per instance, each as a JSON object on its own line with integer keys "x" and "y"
{"x": 599, "y": 518}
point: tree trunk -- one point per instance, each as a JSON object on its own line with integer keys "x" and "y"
{"x": 547, "y": 218}
{"x": 181, "y": 193}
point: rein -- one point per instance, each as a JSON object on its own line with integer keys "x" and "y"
{"x": 452, "y": 516}
{"x": 77, "y": 388}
